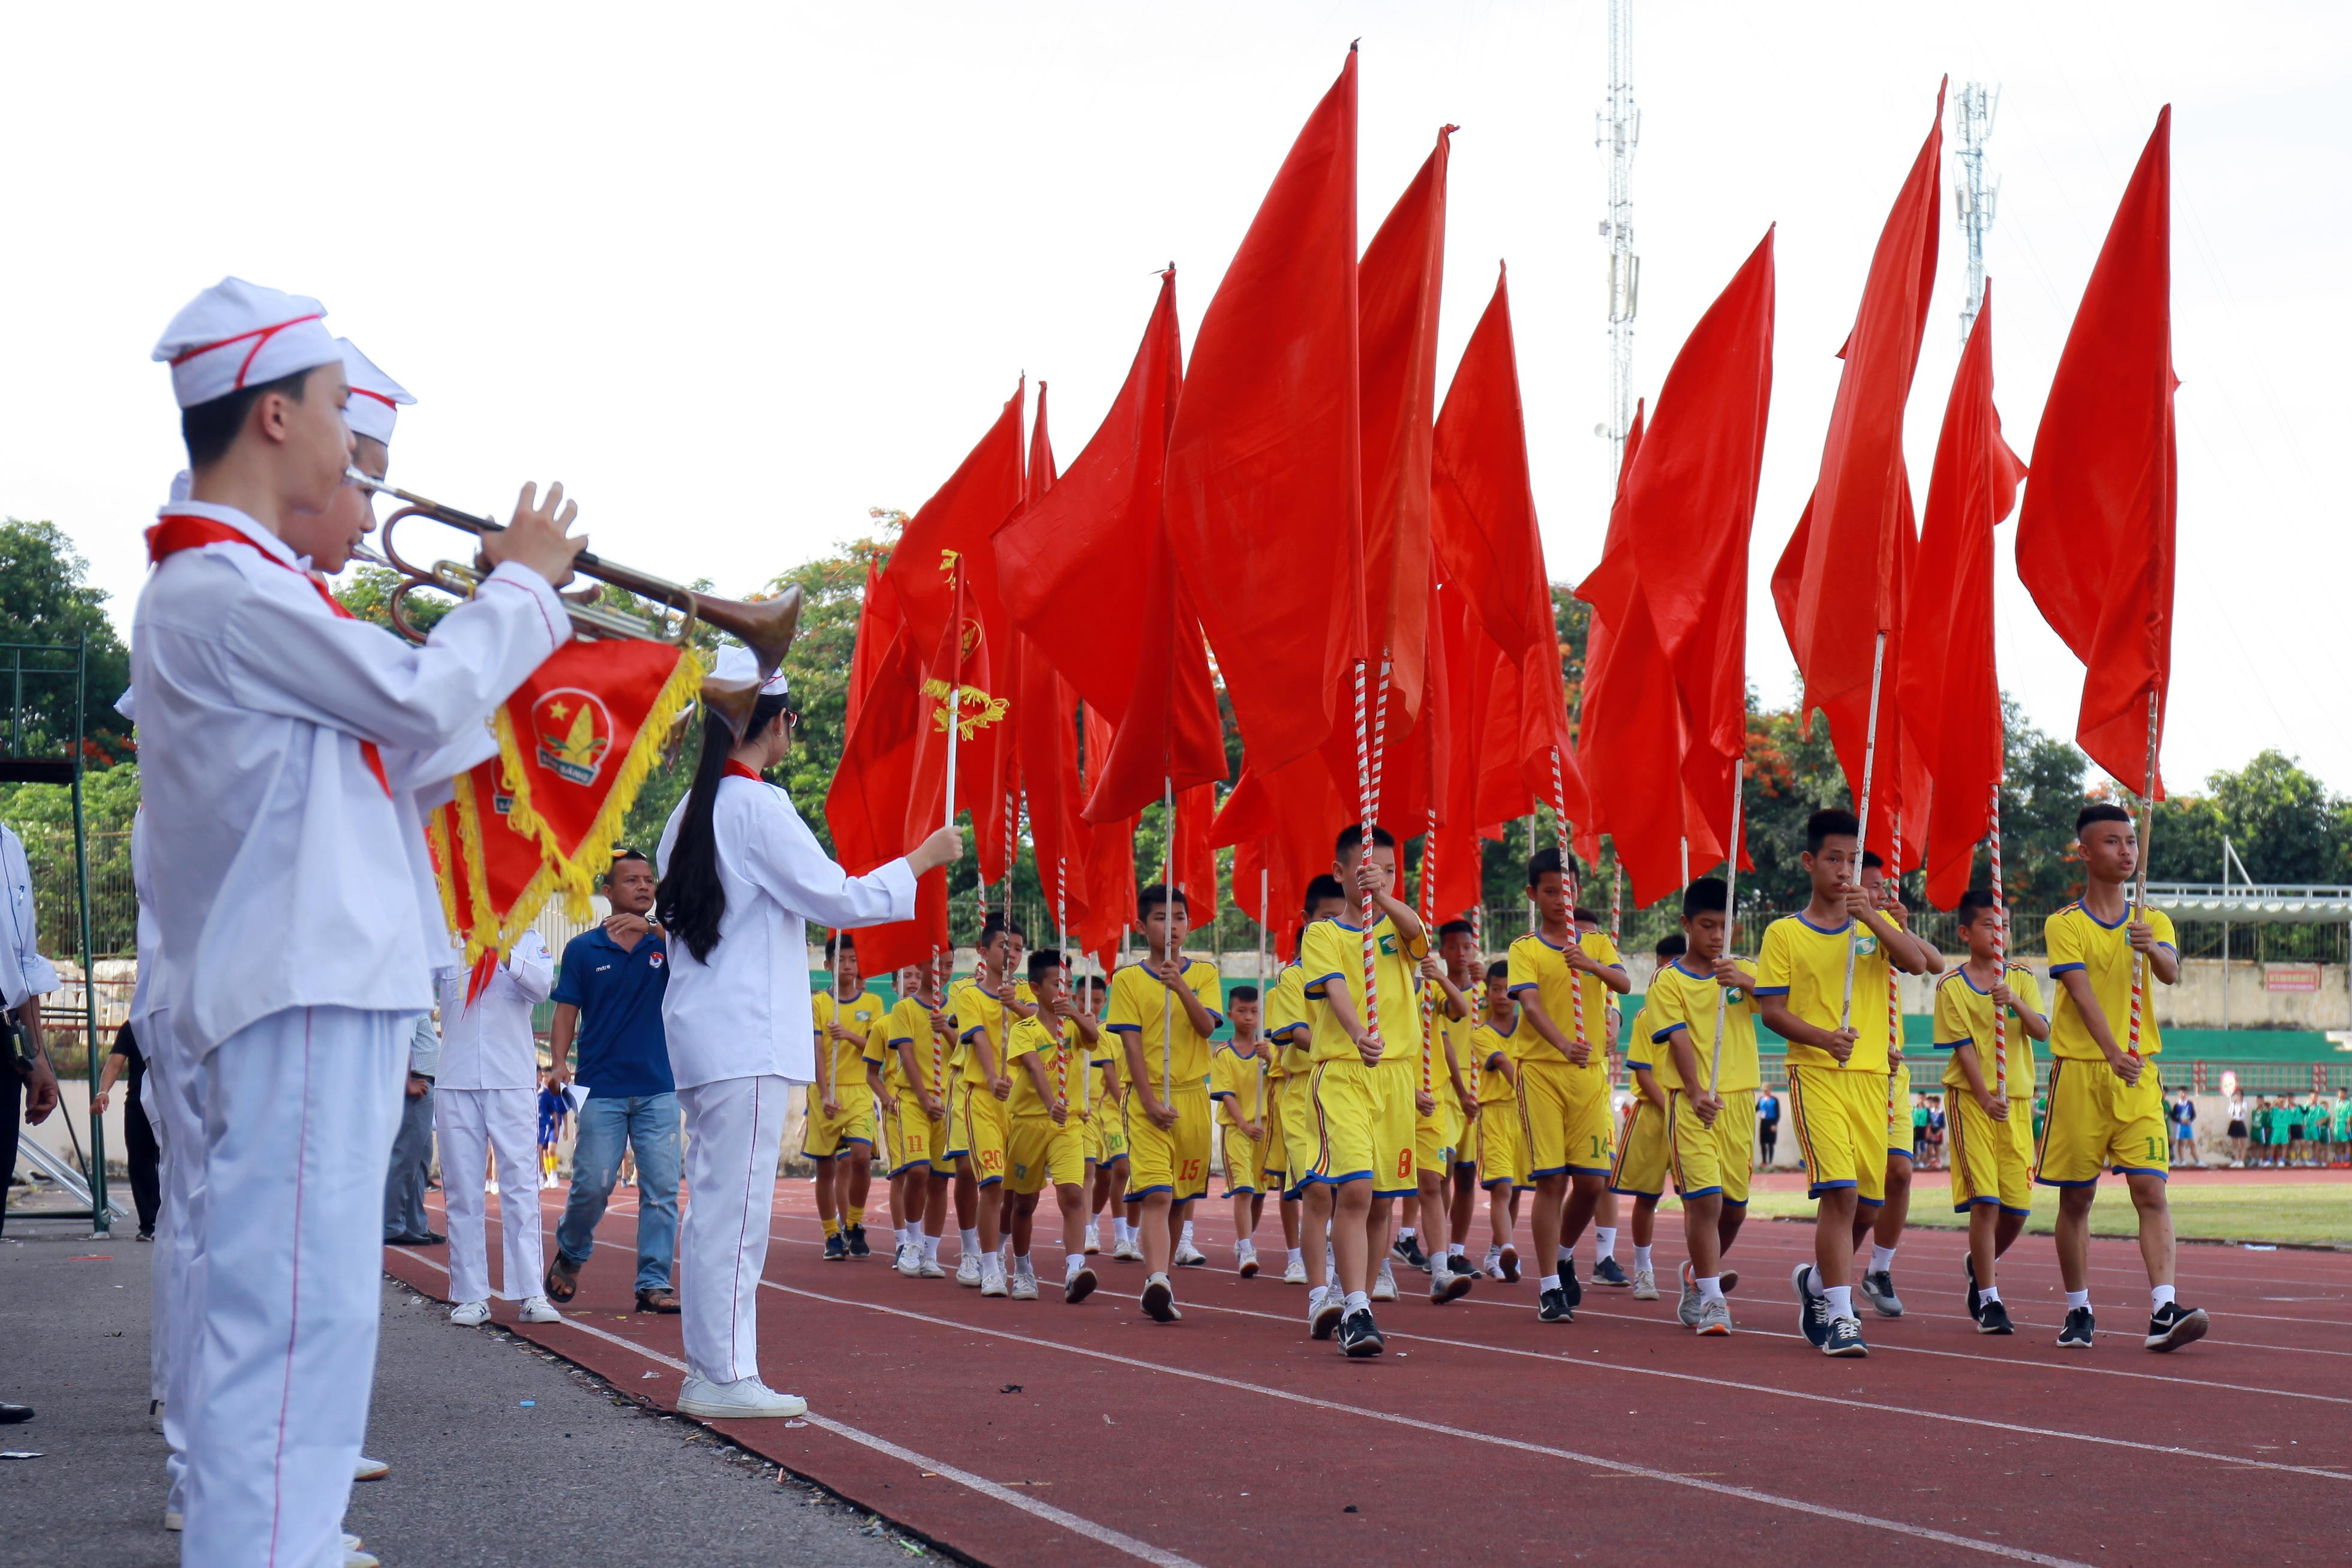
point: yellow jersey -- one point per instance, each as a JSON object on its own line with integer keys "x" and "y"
{"x": 2075, "y": 939}
{"x": 846, "y": 1058}
{"x": 1241, "y": 1082}
{"x": 1140, "y": 1006}
{"x": 878, "y": 1054}
{"x": 1806, "y": 963}
{"x": 931, "y": 1032}
{"x": 1334, "y": 951}
{"x": 1443, "y": 1031}
{"x": 1964, "y": 1017}
{"x": 974, "y": 1007}
{"x": 1682, "y": 1000}
{"x": 1538, "y": 966}
{"x": 1487, "y": 1043}
{"x": 1286, "y": 1023}
{"x": 1066, "y": 1059}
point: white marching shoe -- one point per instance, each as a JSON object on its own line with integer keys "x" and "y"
{"x": 539, "y": 1309}
{"x": 744, "y": 1398}
{"x": 471, "y": 1314}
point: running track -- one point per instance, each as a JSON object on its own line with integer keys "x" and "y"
{"x": 1040, "y": 1433}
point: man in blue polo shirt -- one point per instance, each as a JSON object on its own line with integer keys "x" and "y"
{"x": 609, "y": 993}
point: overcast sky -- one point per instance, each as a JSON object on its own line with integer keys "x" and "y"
{"x": 735, "y": 274}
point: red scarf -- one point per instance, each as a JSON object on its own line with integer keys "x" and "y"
{"x": 181, "y": 532}
{"x": 736, "y": 770}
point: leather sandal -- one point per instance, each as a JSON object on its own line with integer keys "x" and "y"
{"x": 562, "y": 1281}
{"x": 661, "y": 1299}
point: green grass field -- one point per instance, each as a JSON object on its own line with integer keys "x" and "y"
{"x": 2308, "y": 1213}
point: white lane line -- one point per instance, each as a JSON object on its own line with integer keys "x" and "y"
{"x": 1617, "y": 1467}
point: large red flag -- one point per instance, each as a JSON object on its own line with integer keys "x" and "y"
{"x": 1264, "y": 486}
{"x": 878, "y": 623}
{"x": 1951, "y": 689}
{"x": 1691, "y": 504}
{"x": 1110, "y": 860}
{"x": 1287, "y": 822}
{"x": 2095, "y": 540}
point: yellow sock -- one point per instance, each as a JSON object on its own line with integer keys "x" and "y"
{"x": 832, "y": 1228}
{"x": 857, "y": 1217}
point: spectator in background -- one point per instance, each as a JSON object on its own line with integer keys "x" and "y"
{"x": 140, "y": 1149}
{"x": 486, "y": 1103}
{"x": 405, "y": 1222}
{"x": 552, "y": 1110}
{"x": 2237, "y": 1133}
{"x": 2184, "y": 1129}
{"x": 25, "y": 1077}
{"x": 1935, "y": 1132}
{"x": 1919, "y": 1130}
{"x": 2263, "y": 1120}
{"x": 1768, "y": 1125}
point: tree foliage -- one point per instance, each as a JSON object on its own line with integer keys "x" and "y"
{"x": 45, "y": 600}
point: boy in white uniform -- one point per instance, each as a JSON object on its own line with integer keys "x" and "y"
{"x": 485, "y": 1102}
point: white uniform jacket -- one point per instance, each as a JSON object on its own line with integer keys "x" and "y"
{"x": 284, "y": 874}
{"x": 488, "y": 1044}
{"x": 23, "y": 971}
{"x": 746, "y": 1012}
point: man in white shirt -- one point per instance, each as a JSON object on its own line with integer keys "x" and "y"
{"x": 25, "y": 977}
{"x": 285, "y": 887}
{"x": 486, "y": 1100}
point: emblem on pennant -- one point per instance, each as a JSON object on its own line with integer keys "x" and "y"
{"x": 575, "y": 731}
{"x": 975, "y": 709}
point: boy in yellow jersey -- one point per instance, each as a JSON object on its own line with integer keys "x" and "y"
{"x": 919, "y": 1033}
{"x": 1291, "y": 1027}
{"x": 1640, "y": 1172}
{"x": 1710, "y": 1077}
{"x": 1605, "y": 1268}
{"x": 1438, "y": 1134}
{"x": 1502, "y": 1148}
{"x": 882, "y": 1082}
{"x": 986, "y": 1006}
{"x": 1243, "y": 1101}
{"x": 1276, "y": 1170}
{"x": 1837, "y": 1060}
{"x": 1163, "y": 1011}
{"x": 1366, "y": 1075}
{"x": 1051, "y": 1055}
{"x": 1110, "y": 1123}
{"x": 1885, "y": 1225}
{"x": 2106, "y": 1103}
{"x": 1564, "y": 1108}
{"x": 840, "y": 1136}
{"x": 1992, "y": 1120}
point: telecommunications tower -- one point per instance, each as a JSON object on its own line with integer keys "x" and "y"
{"x": 1976, "y": 111}
{"x": 1617, "y": 131}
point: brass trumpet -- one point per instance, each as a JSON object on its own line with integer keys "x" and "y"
{"x": 766, "y": 628}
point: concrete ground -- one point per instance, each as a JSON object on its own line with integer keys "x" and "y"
{"x": 579, "y": 1474}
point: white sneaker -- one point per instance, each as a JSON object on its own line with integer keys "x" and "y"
{"x": 352, "y": 1543}
{"x": 968, "y": 1271}
{"x": 745, "y": 1397}
{"x": 1645, "y": 1284}
{"x": 360, "y": 1560}
{"x": 1494, "y": 1261}
{"x": 1021, "y": 1288}
{"x": 1325, "y": 1306}
{"x": 992, "y": 1276}
{"x": 1189, "y": 1255}
{"x": 909, "y": 1261}
{"x": 1714, "y": 1318}
{"x": 471, "y": 1314}
{"x": 1128, "y": 1252}
{"x": 539, "y": 1309}
{"x": 930, "y": 1267}
{"x": 1094, "y": 1241}
{"x": 1384, "y": 1287}
{"x": 1295, "y": 1273}
{"x": 369, "y": 1470}
{"x": 1246, "y": 1260}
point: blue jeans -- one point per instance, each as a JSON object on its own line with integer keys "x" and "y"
{"x": 649, "y": 1124}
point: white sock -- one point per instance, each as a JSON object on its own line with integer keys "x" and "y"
{"x": 2159, "y": 1298}
{"x": 1404, "y": 1233}
{"x": 1071, "y": 1263}
{"x": 971, "y": 1242}
{"x": 2077, "y": 1299}
{"x": 1122, "y": 1229}
{"x": 1604, "y": 1242}
{"x": 1246, "y": 1248}
{"x": 1990, "y": 1293}
{"x": 1357, "y": 1302}
{"x": 1455, "y": 1249}
{"x": 930, "y": 1247}
{"x": 1841, "y": 1300}
{"x": 1298, "y": 1256}
{"x": 1640, "y": 1256}
{"x": 1710, "y": 1288}
{"x": 1882, "y": 1259}
{"x": 1565, "y": 1257}
{"x": 1188, "y": 1233}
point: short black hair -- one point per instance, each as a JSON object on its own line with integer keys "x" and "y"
{"x": 1353, "y": 836}
{"x": 1098, "y": 981}
{"x": 1671, "y": 945}
{"x": 1540, "y": 862}
{"x": 1706, "y": 893}
{"x": 1973, "y": 902}
{"x": 1241, "y": 994}
{"x": 1872, "y": 861}
{"x": 1320, "y": 888}
{"x": 1159, "y": 893}
{"x": 1456, "y": 928}
{"x": 839, "y": 941}
{"x": 210, "y": 428}
{"x": 1498, "y": 969}
{"x": 1830, "y": 822}
{"x": 2102, "y": 811}
{"x": 621, "y": 858}
{"x": 995, "y": 925}
{"x": 1586, "y": 917}
{"x": 1044, "y": 961}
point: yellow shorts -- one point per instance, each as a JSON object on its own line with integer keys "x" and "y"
{"x": 1992, "y": 1162}
{"x": 2096, "y": 1122}
{"x": 1043, "y": 1152}
{"x": 825, "y": 1135}
{"x": 1244, "y": 1162}
{"x": 1175, "y": 1160}
{"x": 1275, "y": 1165}
{"x": 919, "y": 1142}
{"x": 1640, "y": 1169}
{"x": 1298, "y": 1129}
{"x": 979, "y": 1129}
{"x": 1432, "y": 1148}
{"x": 1898, "y": 1111}
{"x": 1713, "y": 1159}
{"x": 1110, "y": 1131}
{"x": 1841, "y": 1122}
{"x": 1502, "y": 1147}
{"x": 1363, "y": 1128}
{"x": 1565, "y": 1117}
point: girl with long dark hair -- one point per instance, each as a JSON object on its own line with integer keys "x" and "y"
{"x": 741, "y": 878}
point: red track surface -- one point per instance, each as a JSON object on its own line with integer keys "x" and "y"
{"x": 1040, "y": 1433}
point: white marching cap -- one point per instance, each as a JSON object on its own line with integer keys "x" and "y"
{"x": 376, "y": 398}
{"x": 237, "y": 334}
{"x": 736, "y": 662}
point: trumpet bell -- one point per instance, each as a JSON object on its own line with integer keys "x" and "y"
{"x": 732, "y": 701}
{"x": 766, "y": 627}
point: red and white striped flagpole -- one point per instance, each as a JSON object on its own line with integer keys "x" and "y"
{"x": 1862, "y": 826}
{"x": 1568, "y": 878}
{"x": 1730, "y": 917}
{"x": 2139, "y": 883}
{"x": 1999, "y": 958}
{"x": 1429, "y": 929}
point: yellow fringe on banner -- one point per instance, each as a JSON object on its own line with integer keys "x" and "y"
{"x": 444, "y": 869}
{"x": 485, "y": 933}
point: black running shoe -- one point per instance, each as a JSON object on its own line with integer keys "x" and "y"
{"x": 1359, "y": 1336}
{"x": 1553, "y": 1308}
{"x": 1878, "y": 1289}
{"x": 857, "y": 1247}
{"x": 1569, "y": 1291}
{"x": 1408, "y": 1251}
{"x": 1992, "y": 1318}
{"x": 1976, "y": 1296}
{"x": 1606, "y": 1272}
{"x": 835, "y": 1249}
{"x": 2080, "y": 1326}
{"x": 2174, "y": 1326}
{"x": 1459, "y": 1262}
{"x": 1845, "y": 1339}
{"x": 1813, "y": 1316}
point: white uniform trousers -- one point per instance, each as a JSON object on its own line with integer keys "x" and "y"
{"x": 175, "y": 1097}
{"x": 299, "y": 1110}
{"x": 470, "y": 1123}
{"x": 734, "y": 1127}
